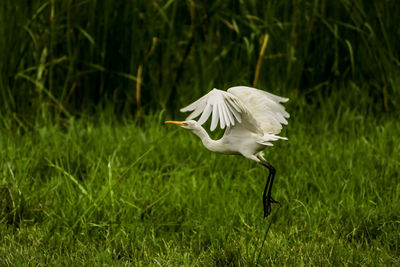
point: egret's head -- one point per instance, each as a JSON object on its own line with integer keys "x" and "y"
{"x": 190, "y": 125}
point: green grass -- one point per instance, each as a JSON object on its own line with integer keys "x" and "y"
{"x": 91, "y": 191}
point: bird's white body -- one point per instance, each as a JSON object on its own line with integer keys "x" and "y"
{"x": 252, "y": 119}
{"x": 234, "y": 144}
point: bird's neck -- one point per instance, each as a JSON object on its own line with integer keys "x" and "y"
{"x": 210, "y": 144}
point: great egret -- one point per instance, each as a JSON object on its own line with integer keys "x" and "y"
{"x": 252, "y": 119}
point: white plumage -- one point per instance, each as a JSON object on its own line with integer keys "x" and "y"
{"x": 252, "y": 119}
{"x": 261, "y": 111}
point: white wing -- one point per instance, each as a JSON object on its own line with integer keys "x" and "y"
{"x": 264, "y": 107}
{"x": 225, "y": 108}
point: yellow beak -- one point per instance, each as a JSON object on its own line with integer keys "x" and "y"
{"x": 179, "y": 123}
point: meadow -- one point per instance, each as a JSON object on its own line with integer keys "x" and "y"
{"x": 86, "y": 193}
{"x": 91, "y": 175}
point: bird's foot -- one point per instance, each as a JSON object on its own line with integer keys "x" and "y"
{"x": 267, "y": 201}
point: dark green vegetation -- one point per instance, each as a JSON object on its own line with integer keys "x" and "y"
{"x": 68, "y": 56}
{"x": 89, "y": 174}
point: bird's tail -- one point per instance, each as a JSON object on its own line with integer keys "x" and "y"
{"x": 268, "y": 138}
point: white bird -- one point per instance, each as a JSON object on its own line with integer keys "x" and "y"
{"x": 252, "y": 119}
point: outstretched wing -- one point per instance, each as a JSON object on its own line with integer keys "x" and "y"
{"x": 264, "y": 107}
{"x": 225, "y": 108}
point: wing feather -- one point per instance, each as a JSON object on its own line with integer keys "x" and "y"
{"x": 225, "y": 111}
{"x": 206, "y": 114}
{"x": 235, "y": 113}
{"x": 263, "y": 106}
{"x": 228, "y": 116}
{"x": 214, "y": 120}
{"x": 199, "y": 109}
{"x": 221, "y": 116}
{"x": 194, "y": 105}
{"x": 235, "y": 105}
{"x": 223, "y": 107}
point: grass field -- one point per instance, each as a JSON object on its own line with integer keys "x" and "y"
{"x": 93, "y": 191}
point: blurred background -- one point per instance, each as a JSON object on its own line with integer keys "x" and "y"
{"x": 68, "y": 58}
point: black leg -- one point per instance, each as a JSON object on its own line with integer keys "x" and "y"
{"x": 267, "y": 198}
{"x": 266, "y": 211}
